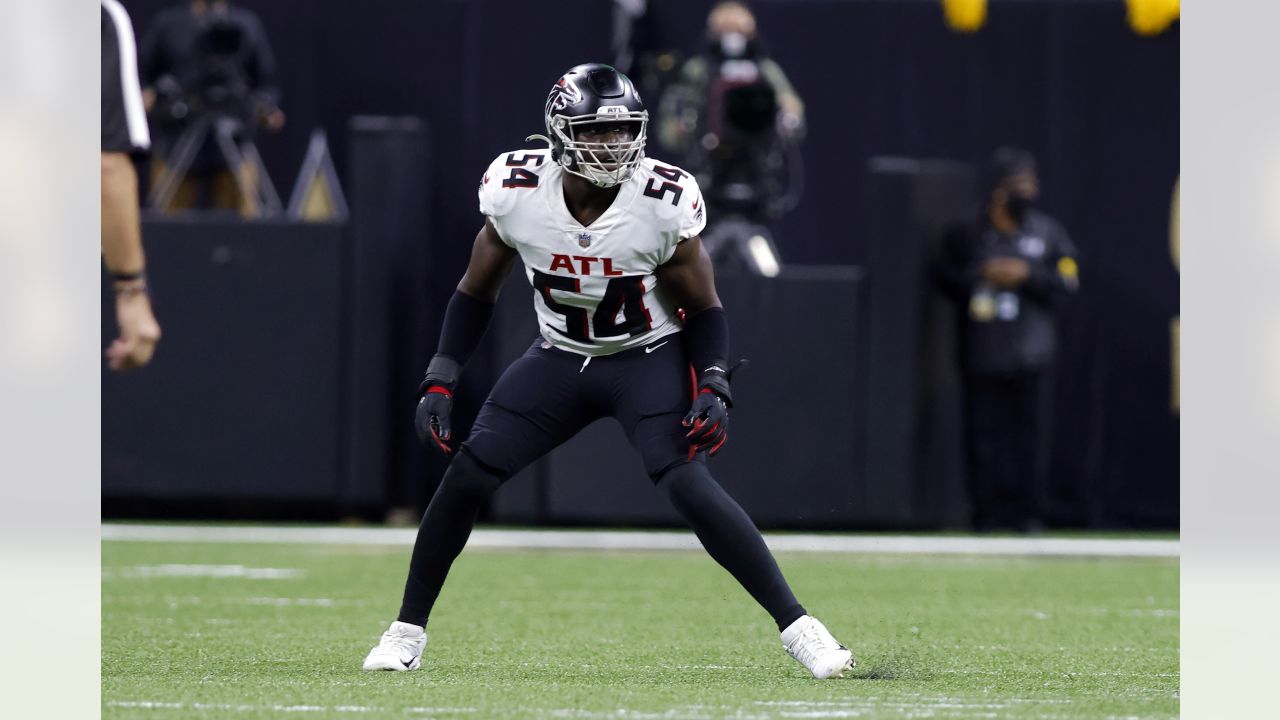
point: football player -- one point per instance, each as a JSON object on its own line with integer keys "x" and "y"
{"x": 609, "y": 242}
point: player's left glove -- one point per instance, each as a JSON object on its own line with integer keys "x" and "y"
{"x": 708, "y": 422}
{"x": 708, "y": 419}
{"x": 435, "y": 403}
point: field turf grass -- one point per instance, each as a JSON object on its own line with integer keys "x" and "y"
{"x": 279, "y": 631}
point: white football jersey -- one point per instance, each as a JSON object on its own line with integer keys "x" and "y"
{"x": 594, "y": 287}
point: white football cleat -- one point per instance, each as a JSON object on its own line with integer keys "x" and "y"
{"x": 400, "y": 648}
{"x": 809, "y": 642}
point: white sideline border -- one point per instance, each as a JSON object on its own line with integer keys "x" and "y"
{"x": 651, "y": 540}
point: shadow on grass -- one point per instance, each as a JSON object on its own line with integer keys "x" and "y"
{"x": 898, "y": 666}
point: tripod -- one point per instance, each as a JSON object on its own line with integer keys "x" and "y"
{"x": 238, "y": 152}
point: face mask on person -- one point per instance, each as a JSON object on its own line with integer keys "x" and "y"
{"x": 1018, "y": 205}
{"x": 733, "y": 44}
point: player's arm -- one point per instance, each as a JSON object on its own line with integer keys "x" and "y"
{"x": 465, "y": 320}
{"x": 122, "y": 253}
{"x": 689, "y": 280}
{"x": 489, "y": 267}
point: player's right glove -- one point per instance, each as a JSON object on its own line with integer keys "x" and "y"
{"x": 435, "y": 402}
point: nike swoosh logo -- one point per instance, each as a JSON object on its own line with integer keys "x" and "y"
{"x": 655, "y": 347}
{"x": 695, "y": 203}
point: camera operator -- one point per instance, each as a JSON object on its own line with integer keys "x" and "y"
{"x": 731, "y": 116}
{"x": 205, "y": 60}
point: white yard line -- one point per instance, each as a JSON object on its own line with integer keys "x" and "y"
{"x": 204, "y": 571}
{"x": 653, "y": 540}
{"x": 288, "y": 602}
{"x": 924, "y": 707}
{"x": 227, "y": 707}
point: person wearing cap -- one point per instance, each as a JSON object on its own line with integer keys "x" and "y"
{"x": 1009, "y": 271}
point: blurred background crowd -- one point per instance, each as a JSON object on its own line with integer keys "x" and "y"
{"x": 963, "y": 212}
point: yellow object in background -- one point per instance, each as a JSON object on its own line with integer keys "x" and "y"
{"x": 965, "y": 16}
{"x": 1152, "y": 17}
{"x": 317, "y": 201}
{"x": 1068, "y": 269}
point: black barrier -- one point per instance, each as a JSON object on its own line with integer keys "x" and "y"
{"x": 241, "y": 402}
{"x": 248, "y": 402}
{"x": 913, "y": 398}
{"x": 388, "y": 269}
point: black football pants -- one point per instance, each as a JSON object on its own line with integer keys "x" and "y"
{"x": 546, "y": 397}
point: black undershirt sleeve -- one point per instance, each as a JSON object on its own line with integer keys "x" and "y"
{"x": 706, "y": 339}
{"x": 465, "y": 320}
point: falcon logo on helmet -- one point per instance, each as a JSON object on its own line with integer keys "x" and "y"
{"x": 563, "y": 94}
{"x": 588, "y": 94}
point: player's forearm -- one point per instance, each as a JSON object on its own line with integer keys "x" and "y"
{"x": 121, "y": 236}
{"x": 465, "y": 321}
{"x": 706, "y": 341}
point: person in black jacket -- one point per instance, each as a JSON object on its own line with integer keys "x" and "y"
{"x": 207, "y": 58}
{"x": 1009, "y": 271}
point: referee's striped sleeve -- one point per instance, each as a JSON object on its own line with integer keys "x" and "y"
{"x": 129, "y": 91}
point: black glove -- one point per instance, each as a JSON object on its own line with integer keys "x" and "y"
{"x": 708, "y": 419}
{"x": 708, "y": 422}
{"x": 435, "y": 402}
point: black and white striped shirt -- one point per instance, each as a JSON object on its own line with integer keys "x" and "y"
{"x": 124, "y": 120}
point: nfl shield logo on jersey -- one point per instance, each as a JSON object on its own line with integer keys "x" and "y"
{"x": 584, "y": 240}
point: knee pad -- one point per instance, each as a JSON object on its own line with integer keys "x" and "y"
{"x": 468, "y": 475}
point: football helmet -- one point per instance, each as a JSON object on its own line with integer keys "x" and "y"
{"x": 588, "y": 94}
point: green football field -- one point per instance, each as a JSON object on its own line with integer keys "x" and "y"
{"x": 209, "y": 630}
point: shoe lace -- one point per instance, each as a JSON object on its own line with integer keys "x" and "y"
{"x": 813, "y": 643}
{"x": 400, "y": 641}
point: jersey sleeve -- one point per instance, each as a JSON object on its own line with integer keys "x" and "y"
{"x": 495, "y": 203}
{"x": 680, "y": 215}
{"x": 490, "y": 191}
{"x": 124, "y": 120}
{"x": 693, "y": 212}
